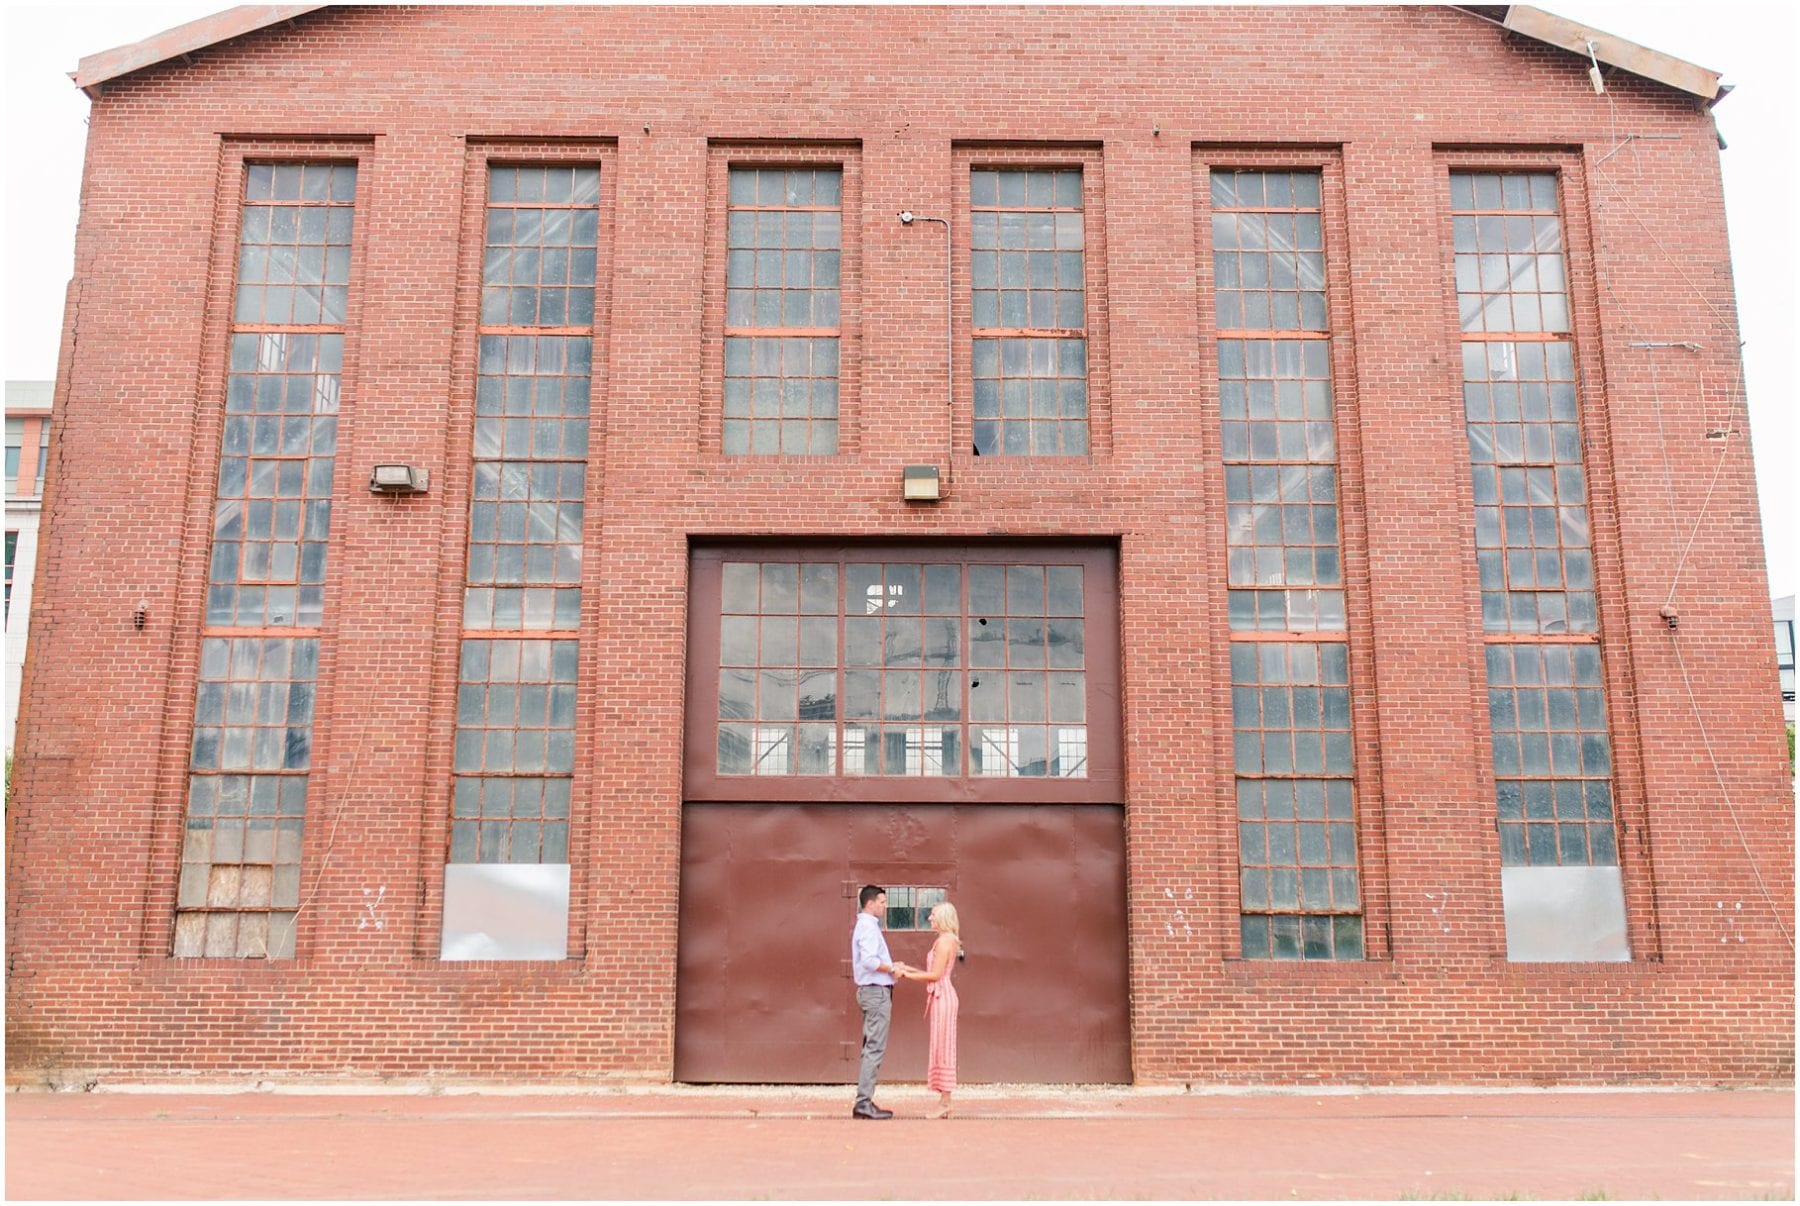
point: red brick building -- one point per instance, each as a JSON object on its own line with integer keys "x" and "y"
{"x": 1253, "y": 504}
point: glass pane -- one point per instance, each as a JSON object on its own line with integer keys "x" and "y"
{"x": 888, "y": 660}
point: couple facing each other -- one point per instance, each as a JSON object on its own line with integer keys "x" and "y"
{"x": 875, "y": 971}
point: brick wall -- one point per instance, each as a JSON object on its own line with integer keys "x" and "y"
{"x": 1387, "y": 99}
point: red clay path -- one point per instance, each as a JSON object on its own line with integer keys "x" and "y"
{"x": 799, "y": 1143}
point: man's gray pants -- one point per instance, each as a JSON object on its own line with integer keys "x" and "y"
{"x": 877, "y": 1004}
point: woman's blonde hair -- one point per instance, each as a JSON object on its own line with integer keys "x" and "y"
{"x": 945, "y": 912}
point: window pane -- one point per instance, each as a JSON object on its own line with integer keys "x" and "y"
{"x": 515, "y": 746}
{"x": 782, "y": 274}
{"x": 1291, "y": 713}
{"x": 1537, "y": 704}
{"x": 515, "y": 737}
{"x": 1275, "y": 401}
{"x": 1521, "y": 404}
{"x": 252, "y": 737}
{"x": 892, "y": 697}
{"x": 1268, "y": 241}
{"x": 527, "y": 507}
{"x": 1028, "y": 279}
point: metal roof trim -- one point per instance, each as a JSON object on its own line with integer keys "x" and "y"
{"x": 1614, "y": 51}
{"x": 97, "y": 69}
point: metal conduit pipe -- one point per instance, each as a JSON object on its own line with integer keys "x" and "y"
{"x": 907, "y": 218}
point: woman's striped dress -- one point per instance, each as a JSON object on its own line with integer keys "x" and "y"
{"x": 940, "y": 1020}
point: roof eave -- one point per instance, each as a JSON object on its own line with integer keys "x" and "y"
{"x": 97, "y": 69}
{"x": 1585, "y": 40}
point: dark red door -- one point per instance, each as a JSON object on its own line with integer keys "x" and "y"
{"x": 768, "y": 901}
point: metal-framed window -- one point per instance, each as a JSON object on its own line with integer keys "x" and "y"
{"x": 1268, "y": 241}
{"x": 12, "y": 551}
{"x": 294, "y": 253}
{"x": 1532, "y": 538}
{"x": 1552, "y": 757}
{"x": 876, "y": 673}
{"x": 541, "y": 253}
{"x": 528, "y": 500}
{"x": 925, "y": 672}
{"x": 515, "y": 751}
{"x": 909, "y": 906}
{"x": 240, "y": 857}
{"x": 1784, "y": 653}
{"x": 1511, "y": 275}
{"x": 1297, "y": 860}
{"x": 1028, "y": 307}
{"x": 783, "y": 303}
{"x": 1281, "y": 512}
{"x": 250, "y": 761}
{"x": 275, "y": 475}
{"x": 1555, "y": 810}
{"x": 514, "y": 758}
{"x": 1533, "y": 544}
{"x": 1298, "y": 869}
{"x": 1278, "y": 434}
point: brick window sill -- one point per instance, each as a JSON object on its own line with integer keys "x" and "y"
{"x": 1281, "y": 969}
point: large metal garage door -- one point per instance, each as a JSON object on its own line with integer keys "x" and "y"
{"x": 939, "y": 719}
{"x": 768, "y": 898}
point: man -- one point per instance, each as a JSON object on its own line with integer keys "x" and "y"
{"x": 874, "y": 971}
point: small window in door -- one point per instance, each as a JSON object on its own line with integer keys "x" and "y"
{"x": 909, "y": 908}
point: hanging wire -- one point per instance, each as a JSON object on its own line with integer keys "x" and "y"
{"x": 1607, "y": 193}
{"x": 1730, "y": 811}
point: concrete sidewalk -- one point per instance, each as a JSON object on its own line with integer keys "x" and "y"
{"x": 1030, "y": 1142}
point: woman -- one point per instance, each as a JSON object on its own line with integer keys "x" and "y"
{"x": 941, "y": 1003}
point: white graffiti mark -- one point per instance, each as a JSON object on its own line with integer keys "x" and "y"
{"x": 1730, "y": 933}
{"x": 1437, "y": 910}
{"x": 371, "y": 919}
{"x": 1180, "y": 918}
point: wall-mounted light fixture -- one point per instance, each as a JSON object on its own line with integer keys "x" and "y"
{"x": 399, "y": 479}
{"x": 1594, "y": 76}
{"x": 140, "y": 615}
{"x": 919, "y": 483}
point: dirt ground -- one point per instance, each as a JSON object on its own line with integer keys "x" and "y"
{"x": 1028, "y": 1143}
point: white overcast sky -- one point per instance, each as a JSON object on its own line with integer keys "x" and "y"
{"x": 1753, "y": 46}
